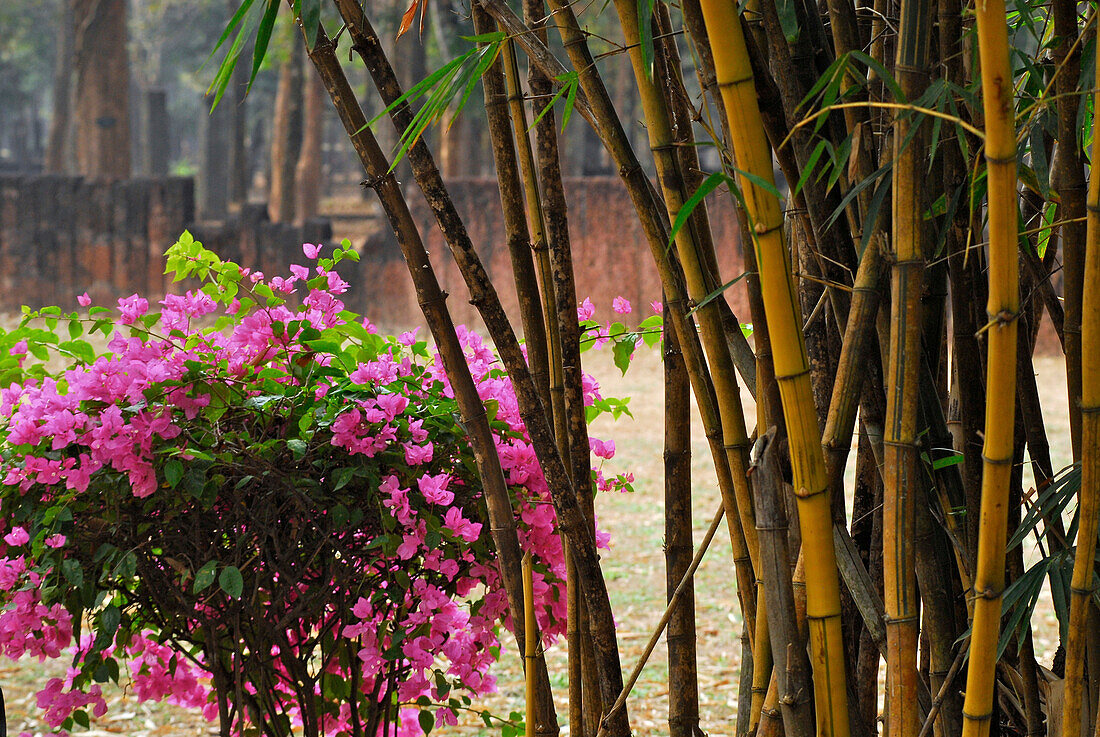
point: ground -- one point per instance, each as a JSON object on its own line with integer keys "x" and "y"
{"x": 634, "y": 568}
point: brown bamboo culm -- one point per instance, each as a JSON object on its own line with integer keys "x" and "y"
{"x": 902, "y": 477}
{"x": 1082, "y": 583}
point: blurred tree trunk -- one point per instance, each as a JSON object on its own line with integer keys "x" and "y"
{"x": 214, "y": 183}
{"x": 101, "y": 112}
{"x": 286, "y": 138}
{"x": 60, "y": 153}
{"x": 308, "y": 173}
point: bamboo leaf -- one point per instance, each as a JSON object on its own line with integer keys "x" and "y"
{"x": 645, "y": 31}
{"x": 881, "y": 72}
{"x": 788, "y": 19}
{"x": 407, "y": 18}
{"x": 808, "y": 169}
{"x": 709, "y": 184}
{"x": 310, "y": 16}
{"x": 238, "y": 16}
{"x": 715, "y": 294}
{"x": 263, "y": 38}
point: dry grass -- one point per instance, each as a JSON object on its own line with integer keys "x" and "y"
{"x": 635, "y": 572}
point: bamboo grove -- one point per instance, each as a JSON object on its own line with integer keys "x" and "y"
{"x": 931, "y": 212}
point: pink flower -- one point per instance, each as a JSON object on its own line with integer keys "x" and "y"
{"x": 132, "y": 308}
{"x": 586, "y": 310}
{"x": 602, "y": 449}
{"x": 19, "y": 349}
{"x": 460, "y": 526}
{"x": 408, "y": 337}
{"x": 55, "y": 541}
{"x": 310, "y": 250}
{"x": 621, "y": 305}
{"x": 434, "y": 489}
{"x": 18, "y": 536}
{"x": 84, "y": 300}
{"x": 657, "y": 306}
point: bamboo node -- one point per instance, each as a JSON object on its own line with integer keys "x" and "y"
{"x": 439, "y": 298}
{"x": 804, "y": 493}
{"x": 374, "y": 182}
{"x": 987, "y": 593}
{"x": 1082, "y": 591}
{"x": 976, "y": 717}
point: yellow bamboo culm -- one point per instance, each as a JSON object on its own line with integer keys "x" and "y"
{"x": 1081, "y": 585}
{"x": 1003, "y": 307}
{"x": 783, "y": 316}
{"x": 531, "y": 644}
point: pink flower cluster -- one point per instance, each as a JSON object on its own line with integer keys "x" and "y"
{"x": 112, "y": 415}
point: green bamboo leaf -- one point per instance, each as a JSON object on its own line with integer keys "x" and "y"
{"x": 645, "y": 31}
{"x": 714, "y": 295}
{"x": 788, "y": 19}
{"x": 709, "y": 184}
{"x": 570, "y": 98}
{"x": 808, "y": 169}
{"x": 881, "y": 72}
{"x": 310, "y": 15}
{"x": 263, "y": 38}
{"x": 245, "y": 6}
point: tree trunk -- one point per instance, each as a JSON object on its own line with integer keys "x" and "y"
{"x": 59, "y": 149}
{"x": 308, "y": 173}
{"x": 102, "y": 107}
{"x": 215, "y": 161}
{"x": 286, "y": 139}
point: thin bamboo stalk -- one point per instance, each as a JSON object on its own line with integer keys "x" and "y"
{"x": 683, "y": 684}
{"x": 1081, "y": 585}
{"x": 432, "y": 301}
{"x": 768, "y": 407}
{"x": 581, "y": 679}
{"x": 691, "y": 242}
{"x": 1002, "y": 309}
{"x": 565, "y": 295}
{"x": 901, "y": 476}
{"x": 531, "y": 654}
{"x": 784, "y": 322}
{"x": 571, "y": 517}
{"x": 516, "y": 232}
{"x": 648, "y": 209}
{"x": 792, "y": 671}
{"x": 1068, "y": 178}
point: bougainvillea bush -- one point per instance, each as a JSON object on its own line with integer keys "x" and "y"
{"x": 254, "y": 504}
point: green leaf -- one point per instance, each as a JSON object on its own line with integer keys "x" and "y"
{"x": 263, "y": 37}
{"x": 645, "y": 31}
{"x": 310, "y": 16}
{"x": 622, "y": 352}
{"x": 808, "y": 169}
{"x": 788, "y": 19}
{"x": 427, "y": 720}
{"x": 709, "y": 184}
{"x": 74, "y": 574}
{"x": 204, "y": 576}
{"x": 173, "y": 472}
{"x": 298, "y": 447}
{"x": 946, "y": 462}
{"x": 231, "y": 582}
{"x": 717, "y": 292}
